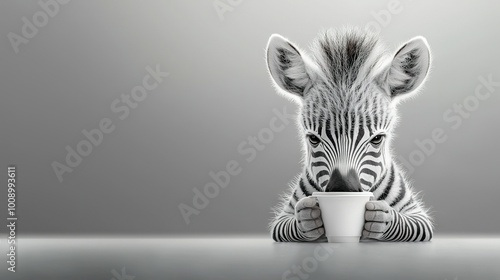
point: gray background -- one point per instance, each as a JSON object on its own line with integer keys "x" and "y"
{"x": 65, "y": 78}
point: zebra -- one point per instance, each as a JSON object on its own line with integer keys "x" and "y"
{"x": 347, "y": 91}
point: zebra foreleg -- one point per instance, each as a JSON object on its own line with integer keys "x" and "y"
{"x": 308, "y": 216}
{"x": 303, "y": 224}
{"x": 378, "y": 217}
{"x": 382, "y": 222}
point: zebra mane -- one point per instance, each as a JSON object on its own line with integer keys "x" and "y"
{"x": 348, "y": 60}
{"x": 347, "y": 56}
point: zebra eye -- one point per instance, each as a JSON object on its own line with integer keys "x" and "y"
{"x": 313, "y": 139}
{"x": 377, "y": 140}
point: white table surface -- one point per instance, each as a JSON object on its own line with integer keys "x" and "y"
{"x": 251, "y": 257}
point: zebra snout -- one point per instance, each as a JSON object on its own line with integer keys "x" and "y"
{"x": 344, "y": 183}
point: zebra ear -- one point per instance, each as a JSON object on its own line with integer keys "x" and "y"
{"x": 291, "y": 71}
{"x": 408, "y": 69}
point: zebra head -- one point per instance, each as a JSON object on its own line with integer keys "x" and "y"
{"x": 347, "y": 90}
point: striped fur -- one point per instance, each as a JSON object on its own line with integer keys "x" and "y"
{"x": 348, "y": 90}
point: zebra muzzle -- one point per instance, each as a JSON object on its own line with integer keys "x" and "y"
{"x": 344, "y": 183}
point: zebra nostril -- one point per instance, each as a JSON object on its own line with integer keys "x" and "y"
{"x": 344, "y": 183}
